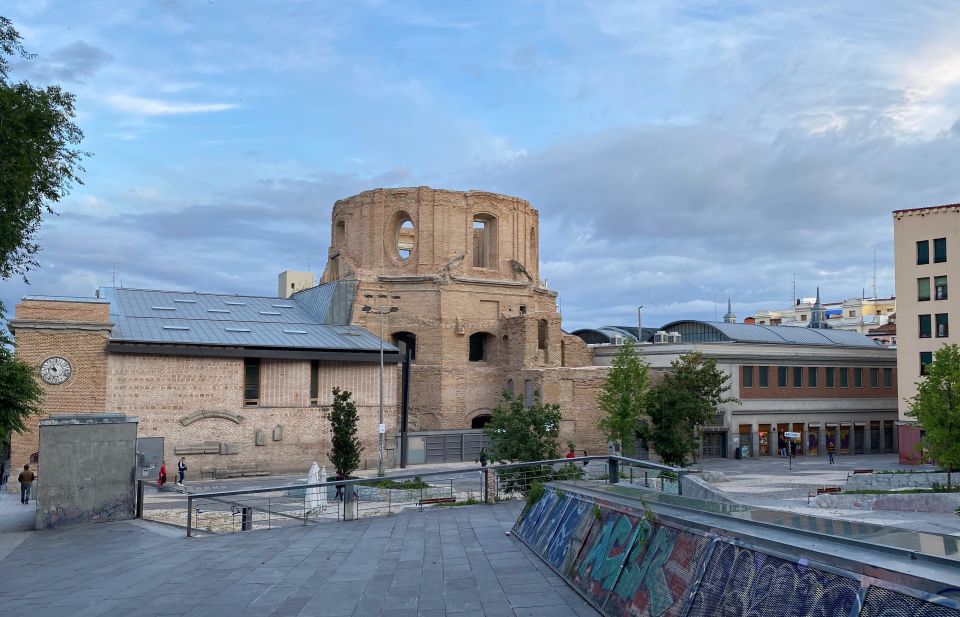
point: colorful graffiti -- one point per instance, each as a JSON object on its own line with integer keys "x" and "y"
{"x": 609, "y": 541}
{"x": 881, "y": 602}
{"x": 564, "y": 545}
{"x": 528, "y": 525}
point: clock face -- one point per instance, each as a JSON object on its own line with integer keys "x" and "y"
{"x": 55, "y": 370}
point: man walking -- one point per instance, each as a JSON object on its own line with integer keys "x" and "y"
{"x": 26, "y": 479}
{"x": 831, "y": 449}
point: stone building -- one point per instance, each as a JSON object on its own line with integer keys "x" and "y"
{"x": 461, "y": 271}
{"x": 237, "y": 384}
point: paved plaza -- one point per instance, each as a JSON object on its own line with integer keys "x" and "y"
{"x": 443, "y": 561}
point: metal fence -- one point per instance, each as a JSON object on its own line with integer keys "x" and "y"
{"x": 302, "y": 504}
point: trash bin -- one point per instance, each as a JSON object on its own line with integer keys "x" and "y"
{"x": 739, "y": 454}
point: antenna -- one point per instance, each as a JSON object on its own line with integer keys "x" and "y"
{"x": 874, "y": 272}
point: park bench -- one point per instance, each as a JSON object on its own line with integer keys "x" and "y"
{"x": 825, "y": 490}
{"x": 856, "y": 471}
{"x": 426, "y": 502}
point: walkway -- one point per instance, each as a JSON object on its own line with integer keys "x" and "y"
{"x": 443, "y": 561}
{"x": 16, "y": 520}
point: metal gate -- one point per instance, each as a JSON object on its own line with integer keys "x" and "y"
{"x": 858, "y": 440}
{"x": 713, "y": 445}
{"x": 445, "y": 446}
{"x": 149, "y": 457}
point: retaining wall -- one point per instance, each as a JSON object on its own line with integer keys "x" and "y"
{"x": 906, "y": 502}
{"x": 897, "y": 480}
{"x": 625, "y": 561}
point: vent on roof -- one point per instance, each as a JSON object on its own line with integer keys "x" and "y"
{"x": 234, "y": 303}
{"x": 660, "y": 337}
{"x": 185, "y": 301}
{"x": 349, "y": 334}
{"x": 294, "y": 331}
{"x": 164, "y": 308}
{"x": 176, "y": 327}
{"x": 217, "y": 311}
{"x": 270, "y": 312}
{"x": 282, "y": 305}
{"x": 674, "y": 337}
{"x": 237, "y": 329}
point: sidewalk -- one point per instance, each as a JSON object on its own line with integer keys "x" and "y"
{"x": 16, "y": 521}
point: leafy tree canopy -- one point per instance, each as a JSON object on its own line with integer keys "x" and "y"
{"x": 687, "y": 398}
{"x": 519, "y": 433}
{"x": 936, "y": 407}
{"x": 623, "y": 398}
{"x": 20, "y": 393}
{"x": 345, "y": 445}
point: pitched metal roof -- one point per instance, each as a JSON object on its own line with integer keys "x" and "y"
{"x": 715, "y": 331}
{"x": 191, "y": 318}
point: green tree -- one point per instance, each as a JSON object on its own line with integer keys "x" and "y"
{"x": 520, "y": 433}
{"x": 936, "y": 407}
{"x": 20, "y": 393}
{"x": 345, "y": 445}
{"x": 38, "y": 164}
{"x": 623, "y": 398}
{"x": 687, "y": 398}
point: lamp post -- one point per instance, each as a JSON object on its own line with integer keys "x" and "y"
{"x": 639, "y": 325}
{"x": 381, "y": 309}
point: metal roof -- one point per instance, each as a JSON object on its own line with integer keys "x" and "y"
{"x": 191, "y": 318}
{"x": 716, "y": 331}
{"x": 607, "y": 333}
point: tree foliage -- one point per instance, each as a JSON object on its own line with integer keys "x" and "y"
{"x": 345, "y": 447}
{"x": 936, "y": 407}
{"x": 623, "y": 398}
{"x": 20, "y": 393}
{"x": 519, "y": 433}
{"x": 687, "y": 398}
{"x": 38, "y": 163}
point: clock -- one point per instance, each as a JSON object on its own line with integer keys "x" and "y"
{"x": 55, "y": 370}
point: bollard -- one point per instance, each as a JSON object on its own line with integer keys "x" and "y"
{"x": 139, "y": 498}
{"x": 613, "y": 470}
{"x": 189, "y": 516}
{"x": 489, "y": 486}
{"x": 246, "y": 518}
{"x": 348, "y": 496}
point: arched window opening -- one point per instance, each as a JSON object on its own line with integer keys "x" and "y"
{"x": 481, "y": 421}
{"x": 484, "y": 241}
{"x": 509, "y": 387}
{"x": 533, "y": 247}
{"x": 406, "y": 236}
{"x": 407, "y": 342}
{"x": 542, "y": 334}
{"x": 480, "y": 346}
{"x": 339, "y": 234}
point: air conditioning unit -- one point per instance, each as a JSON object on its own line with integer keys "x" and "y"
{"x": 661, "y": 337}
{"x": 674, "y": 337}
{"x": 616, "y": 340}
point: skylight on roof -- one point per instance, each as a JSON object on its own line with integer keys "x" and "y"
{"x": 184, "y": 301}
{"x": 282, "y": 305}
{"x": 294, "y": 331}
{"x": 176, "y": 327}
{"x": 234, "y": 303}
{"x": 349, "y": 334}
{"x": 270, "y": 312}
{"x": 237, "y": 329}
{"x": 218, "y": 311}
{"x": 164, "y": 308}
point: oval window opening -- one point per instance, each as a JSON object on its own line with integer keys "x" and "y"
{"x": 405, "y": 238}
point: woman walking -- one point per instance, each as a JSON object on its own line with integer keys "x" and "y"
{"x": 162, "y": 478}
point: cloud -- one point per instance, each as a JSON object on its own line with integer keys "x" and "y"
{"x": 72, "y": 63}
{"x": 142, "y": 106}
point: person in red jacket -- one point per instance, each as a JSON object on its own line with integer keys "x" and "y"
{"x": 162, "y": 478}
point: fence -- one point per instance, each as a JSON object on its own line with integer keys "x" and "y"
{"x": 303, "y": 504}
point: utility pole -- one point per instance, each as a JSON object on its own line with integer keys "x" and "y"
{"x": 381, "y": 310}
{"x": 639, "y": 325}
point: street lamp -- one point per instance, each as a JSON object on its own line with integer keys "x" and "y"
{"x": 381, "y": 309}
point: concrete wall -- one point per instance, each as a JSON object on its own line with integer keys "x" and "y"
{"x": 907, "y": 502}
{"x": 88, "y": 472}
{"x": 896, "y": 480}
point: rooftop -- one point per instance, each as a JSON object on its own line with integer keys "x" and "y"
{"x": 693, "y": 331}
{"x": 924, "y": 209}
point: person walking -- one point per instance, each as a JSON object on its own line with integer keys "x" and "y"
{"x": 162, "y": 478}
{"x": 483, "y": 457}
{"x": 26, "y": 479}
{"x": 831, "y": 450}
{"x": 181, "y": 469}
{"x": 340, "y": 487}
{"x": 585, "y": 462}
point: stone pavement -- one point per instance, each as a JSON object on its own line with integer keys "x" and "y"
{"x": 443, "y": 561}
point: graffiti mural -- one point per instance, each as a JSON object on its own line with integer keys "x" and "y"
{"x": 564, "y": 545}
{"x": 741, "y": 581}
{"x": 886, "y": 603}
{"x": 532, "y": 517}
{"x": 551, "y": 523}
{"x": 597, "y": 568}
{"x": 659, "y": 574}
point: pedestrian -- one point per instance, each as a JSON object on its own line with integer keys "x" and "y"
{"x": 26, "y": 479}
{"x": 571, "y": 453}
{"x": 831, "y": 449}
{"x": 782, "y": 446}
{"x": 3, "y": 475}
{"x": 585, "y": 462}
{"x": 162, "y": 478}
{"x": 182, "y": 469}
{"x": 483, "y": 457}
{"x": 340, "y": 487}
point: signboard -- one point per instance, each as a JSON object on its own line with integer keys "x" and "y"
{"x": 791, "y": 435}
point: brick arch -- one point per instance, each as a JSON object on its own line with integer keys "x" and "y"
{"x": 393, "y": 243}
{"x": 480, "y": 415}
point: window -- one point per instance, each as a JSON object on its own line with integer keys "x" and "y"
{"x": 747, "y": 380}
{"x": 830, "y": 377}
{"x": 888, "y": 378}
{"x": 803, "y": 317}
{"x": 782, "y": 376}
{"x": 405, "y": 234}
{"x": 923, "y": 289}
{"x": 858, "y": 377}
{"x": 251, "y": 382}
{"x": 874, "y": 377}
{"x": 943, "y": 327}
{"x": 509, "y": 387}
{"x": 478, "y": 347}
{"x": 925, "y": 330}
{"x": 314, "y": 383}
{"x": 764, "y": 376}
{"x": 923, "y": 252}
{"x": 484, "y": 241}
{"x": 926, "y": 359}
{"x": 844, "y": 377}
{"x": 798, "y": 377}
{"x": 542, "y": 334}
{"x": 939, "y": 250}
{"x": 527, "y": 392}
{"x": 940, "y": 287}
{"x": 812, "y": 377}
{"x": 851, "y": 313}
{"x": 523, "y": 309}
{"x": 407, "y": 343}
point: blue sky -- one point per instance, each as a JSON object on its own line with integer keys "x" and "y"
{"x": 678, "y": 152}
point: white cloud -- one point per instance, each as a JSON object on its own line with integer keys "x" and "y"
{"x": 142, "y": 106}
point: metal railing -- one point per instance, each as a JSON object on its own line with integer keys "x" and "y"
{"x": 335, "y": 500}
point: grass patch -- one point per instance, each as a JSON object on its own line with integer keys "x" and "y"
{"x": 404, "y": 485}
{"x": 465, "y": 502}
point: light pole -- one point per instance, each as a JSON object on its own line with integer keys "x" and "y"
{"x": 639, "y": 325}
{"x": 381, "y": 309}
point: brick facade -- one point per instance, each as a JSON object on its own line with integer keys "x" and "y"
{"x": 821, "y": 391}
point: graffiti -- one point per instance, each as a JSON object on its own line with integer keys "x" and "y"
{"x": 882, "y": 602}
{"x": 658, "y": 577}
{"x": 527, "y": 524}
{"x": 603, "y": 553}
{"x": 566, "y": 542}
{"x": 740, "y": 581}
{"x": 550, "y": 524}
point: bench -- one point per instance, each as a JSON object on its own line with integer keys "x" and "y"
{"x": 825, "y": 490}
{"x": 426, "y": 502}
{"x": 856, "y": 471}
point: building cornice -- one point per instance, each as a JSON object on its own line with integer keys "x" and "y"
{"x": 166, "y": 349}
{"x": 898, "y": 214}
{"x": 46, "y": 324}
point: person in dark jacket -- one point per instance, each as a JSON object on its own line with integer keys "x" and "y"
{"x": 26, "y": 479}
{"x": 181, "y": 469}
{"x": 831, "y": 450}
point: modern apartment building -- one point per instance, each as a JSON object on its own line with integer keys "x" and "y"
{"x": 927, "y": 253}
{"x": 854, "y": 314}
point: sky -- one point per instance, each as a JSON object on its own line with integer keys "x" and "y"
{"x": 679, "y": 153}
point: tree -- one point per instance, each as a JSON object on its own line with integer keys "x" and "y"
{"x": 623, "y": 398}
{"x": 20, "y": 393}
{"x": 345, "y": 445}
{"x": 519, "y": 433}
{"x": 687, "y": 398}
{"x": 38, "y": 165}
{"x": 936, "y": 407}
